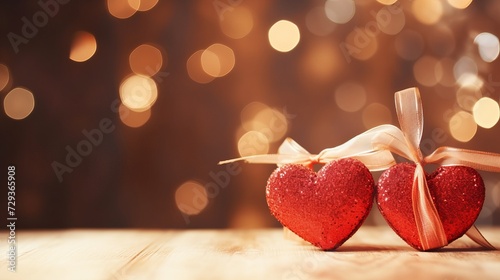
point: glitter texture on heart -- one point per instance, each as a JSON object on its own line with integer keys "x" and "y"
{"x": 457, "y": 192}
{"x": 323, "y": 208}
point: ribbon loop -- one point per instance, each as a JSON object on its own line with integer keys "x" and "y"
{"x": 289, "y": 146}
{"x": 411, "y": 120}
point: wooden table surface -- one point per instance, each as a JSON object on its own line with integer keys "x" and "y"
{"x": 372, "y": 253}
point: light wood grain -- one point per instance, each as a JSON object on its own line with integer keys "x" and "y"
{"x": 372, "y": 253}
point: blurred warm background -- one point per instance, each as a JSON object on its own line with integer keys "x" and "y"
{"x": 116, "y": 113}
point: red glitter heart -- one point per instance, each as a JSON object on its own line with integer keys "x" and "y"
{"x": 324, "y": 208}
{"x": 457, "y": 193}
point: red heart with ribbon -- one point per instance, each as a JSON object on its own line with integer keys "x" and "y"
{"x": 327, "y": 207}
{"x": 428, "y": 212}
{"x": 323, "y": 208}
{"x": 457, "y": 193}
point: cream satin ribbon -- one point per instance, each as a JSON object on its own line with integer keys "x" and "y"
{"x": 405, "y": 142}
{"x": 359, "y": 147}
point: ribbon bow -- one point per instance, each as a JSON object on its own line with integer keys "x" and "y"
{"x": 359, "y": 147}
{"x": 405, "y": 142}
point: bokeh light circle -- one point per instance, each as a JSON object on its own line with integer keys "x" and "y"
{"x": 146, "y": 60}
{"x": 486, "y": 112}
{"x": 19, "y": 103}
{"x": 462, "y": 126}
{"x": 350, "y": 97}
{"x": 138, "y": 92}
{"x": 217, "y": 60}
{"x": 191, "y": 198}
{"x": 488, "y": 46}
{"x": 83, "y": 47}
{"x": 238, "y": 23}
{"x": 340, "y": 11}
{"x": 284, "y": 36}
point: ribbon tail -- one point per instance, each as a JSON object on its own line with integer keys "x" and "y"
{"x": 429, "y": 226}
{"x": 288, "y": 152}
{"x": 476, "y": 236}
{"x": 272, "y": 158}
{"x": 476, "y": 159}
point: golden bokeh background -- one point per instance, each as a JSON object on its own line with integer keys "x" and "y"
{"x": 116, "y": 112}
